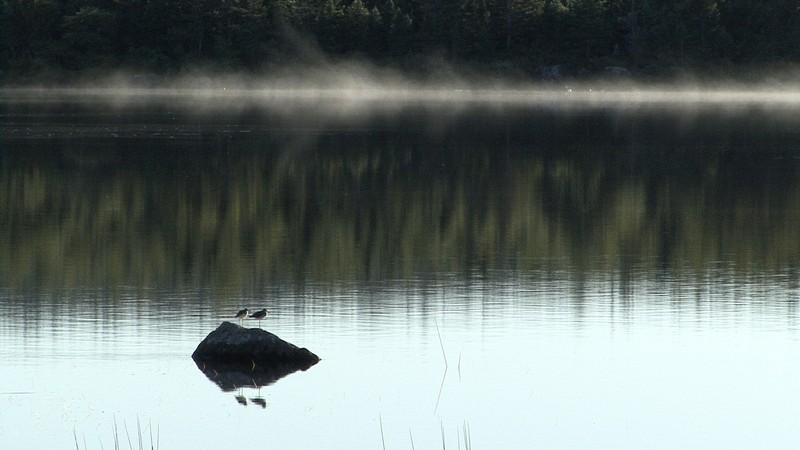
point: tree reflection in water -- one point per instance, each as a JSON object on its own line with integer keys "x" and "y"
{"x": 248, "y": 197}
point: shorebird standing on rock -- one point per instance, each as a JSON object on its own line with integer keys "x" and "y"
{"x": 241, "y": 315}
{"x": 259, "y": 315}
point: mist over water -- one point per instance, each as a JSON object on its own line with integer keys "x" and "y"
{"x": 332, "y": 97}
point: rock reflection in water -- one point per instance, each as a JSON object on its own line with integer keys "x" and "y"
{"x": 230, "y": 377}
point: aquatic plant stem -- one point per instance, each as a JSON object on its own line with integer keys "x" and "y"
{"x": 116, "y": 434}
{"x": 380, "y": 423}
{"x": 441, "y": 344}
{"x": 441, "y": 388}
{"x": 444, "y": 356}
{"x": 125, "y": 423}
{"x": 467, "y": 436}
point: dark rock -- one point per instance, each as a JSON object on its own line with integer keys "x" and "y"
{"x": 231, "y": 345}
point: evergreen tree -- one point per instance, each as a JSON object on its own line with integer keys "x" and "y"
{"x": 357, "y": 26}
{"x": 170, "y": 34}
{"x": 30, "y": 32}
{"x": 88, "y": 38}
{"x": 587, "y": 31}
{"x": 330, "y": 24}
{"x": 762, "y": 30}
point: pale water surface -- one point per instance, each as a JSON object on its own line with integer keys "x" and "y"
{"x": 491, "y": 276}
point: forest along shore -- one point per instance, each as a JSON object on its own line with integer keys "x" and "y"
{"x": 50, "y": 40}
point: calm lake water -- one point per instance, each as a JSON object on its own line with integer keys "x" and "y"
{"x": 528, "y": 273}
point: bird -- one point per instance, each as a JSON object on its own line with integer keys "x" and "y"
{"x": 259, "y": 315}
{"x": 242, "y": 314}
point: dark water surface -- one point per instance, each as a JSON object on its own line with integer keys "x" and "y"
{"x": 473, "y": 275}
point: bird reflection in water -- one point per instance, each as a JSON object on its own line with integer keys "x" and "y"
{"x": 257, "y": 400}
{"x": 240, "y": 398}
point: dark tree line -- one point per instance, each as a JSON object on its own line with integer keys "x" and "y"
{"x": 166, "y": 35}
